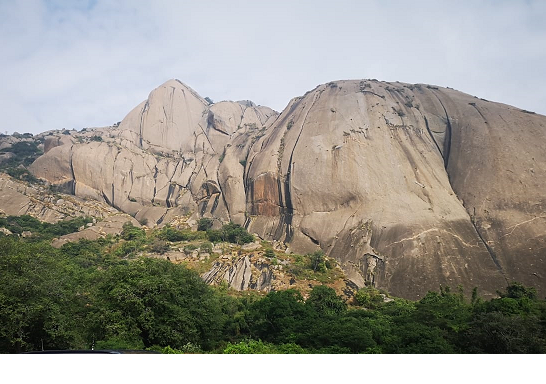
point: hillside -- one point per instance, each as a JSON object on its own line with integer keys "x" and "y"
{"x": 407, "y": 186}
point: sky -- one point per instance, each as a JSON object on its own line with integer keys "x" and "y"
{"x": 86, "y": 63}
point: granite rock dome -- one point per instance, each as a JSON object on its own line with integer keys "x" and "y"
{"x": 408, "y": 186}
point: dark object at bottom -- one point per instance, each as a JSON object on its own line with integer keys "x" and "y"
{"x": 122, "y": 351}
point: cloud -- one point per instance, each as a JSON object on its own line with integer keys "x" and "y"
{"x": 75, "y": 64}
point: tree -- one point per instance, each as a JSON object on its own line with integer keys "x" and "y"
{"x": 318, "y": 261}
{"x": 204, "y": 224}
{"x": 325, "y": 302}
{"x": 130, "y": 232}
{"x": 236, "y": 234}
{"x": 368, "y": 297}
{"x": 41, "y": 298}
{"x": 279, "y": 316}
{"x": 155, "y": 302}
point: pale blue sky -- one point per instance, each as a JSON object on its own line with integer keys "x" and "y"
{"x": 87, "y": 63}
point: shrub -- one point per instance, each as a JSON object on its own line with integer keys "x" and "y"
{"x": 269, "y": 253}
{"x": 206, "y": 247}
{"x": 234, "y": 233}
{"x": 204, "y": 224}
{"x": 368, "y": 297}
{"x": 171, "y": 234}
{"x": 230, "y": 232}
{"x": 130, "y": 232}
{"x": 159, "y": 246}
{"x": 318, "y": 261}
{"x": 215, "y": 235}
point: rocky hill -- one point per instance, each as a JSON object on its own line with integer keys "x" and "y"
{"x": 408, "y": 186}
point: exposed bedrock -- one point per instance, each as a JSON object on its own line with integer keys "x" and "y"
{"x": 408, "y": 186}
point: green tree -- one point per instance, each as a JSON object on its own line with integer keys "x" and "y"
{"x": 157, "y": 303}
{"x": 279, "y": 317}
{"x": 368, "y": 297}
{"x": 204, "y": 224}
{"x": 130, "y": 232}
{"x": 325, "y": 302}
{"x": 318, "y": 261}
{"x": 42, "y": 303}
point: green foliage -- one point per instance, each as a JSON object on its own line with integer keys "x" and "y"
{"x": 259, "y": 347}
{"x": 215, "y": 235}
{"x": 159, "y": 246}
{"x": 130, "y": 232}
{"x": 269, "y": 253}
{"x": 236, "y": 234}
{"x": 279, "y": 316}
{"x": 206, "y": 247}
{"x": 42, "y": 230}
{"x": 156, "y": 302}
{"x": 230, "y": 232}
{"x": 42, "y": 302}
{"x": 368, "y": 297}
{"x": 318, "y": 261}
{"x": 90, "y": 293}
{"x": 518, "y": 291}
{"x": 24, "y": 154}
{"x": 23, "y": 174}
{"x": 324, "y": 301}
{"x": 171, "y": 234}
{"x": 314, "y": 266}
{"x": 96, "y": 138}
{"x": 204, "y": 224}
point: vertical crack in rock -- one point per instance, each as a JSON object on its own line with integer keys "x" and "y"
{"x": 172, "y": 188}
{"x": 144, "y": 110}
{"x": 288, "y": 210}
{"x": 223, "y": 195}
{"x": 169, "y": 193}
{"x": 113, "y": 179}
{"x": 155, "y": 182}
{"x": 447, "y": 139}
{"x": 106, "y": 198}
{"x": 73, "y": 186}
{"x": 433, "y": 139}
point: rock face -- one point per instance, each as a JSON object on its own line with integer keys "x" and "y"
{"x": 17, "y": 198}
{"x": 408, "y": 186}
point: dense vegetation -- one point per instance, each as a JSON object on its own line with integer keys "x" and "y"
{"x": 92, "y": 294}
{"x": 23, "y": 153}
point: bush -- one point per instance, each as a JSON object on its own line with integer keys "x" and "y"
{"x": 206, "y": 247}
{"x": 130, "y": 232}
{"x": 269, "y": 253}
{"x": 230, "y": 232}
{"x": 236, "y": 234}
{"x": 159, "y": 246}
{"x": 204, "y": 224}
{"x": 259, "y": 347}
{"x": 215, "y": 235}
{"x": 368, "y": 297}
{"x": 169, "y": 233}
{"x": 318, "y": 261}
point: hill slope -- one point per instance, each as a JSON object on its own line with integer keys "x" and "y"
{"x": 407, "y": 186}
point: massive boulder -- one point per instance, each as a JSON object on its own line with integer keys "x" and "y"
{"x": 164, "y": 158}
{"x": 408, "y": 186}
